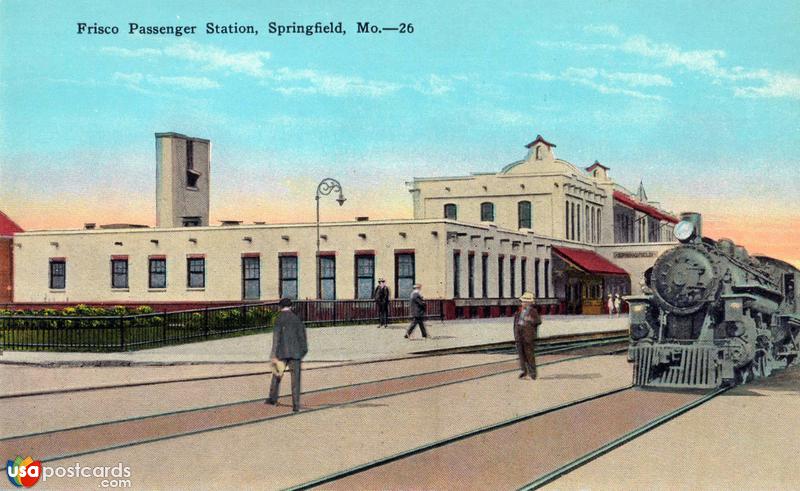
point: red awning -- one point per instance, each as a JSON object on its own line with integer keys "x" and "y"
{"x": 589, "y": 261}
{"x": 7, "y": 226}
{"x": 650, "y": 210}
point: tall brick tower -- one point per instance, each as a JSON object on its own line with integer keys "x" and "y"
{"x": 183, "y": 165}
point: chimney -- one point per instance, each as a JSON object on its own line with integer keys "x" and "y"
{"x": 89, "y": 226}
{"x": 362, "y": 219}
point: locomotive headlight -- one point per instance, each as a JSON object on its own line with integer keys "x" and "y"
{"x": 684, "y": 230}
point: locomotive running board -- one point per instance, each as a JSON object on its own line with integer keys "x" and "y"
{"x": 697, "y": 366}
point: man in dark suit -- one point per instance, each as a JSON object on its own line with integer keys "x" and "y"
{"x": 288, "y": 346}
{"x": 526, "y": 323}
{"x": 417, "y": 308}
{"x": 381, "y": 297}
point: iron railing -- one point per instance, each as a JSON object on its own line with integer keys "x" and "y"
{"x": 139, "y": 331}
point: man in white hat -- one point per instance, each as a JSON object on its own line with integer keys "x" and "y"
{"x": 526, "y": 323}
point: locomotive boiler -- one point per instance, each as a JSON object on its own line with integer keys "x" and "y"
{"x": 712, "y": 315}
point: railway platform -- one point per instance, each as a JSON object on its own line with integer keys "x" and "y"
{"x": 332, "y": 344}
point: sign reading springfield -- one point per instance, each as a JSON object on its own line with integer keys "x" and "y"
{"x": 393, "y": 245}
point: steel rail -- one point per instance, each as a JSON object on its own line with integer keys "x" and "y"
{"x": 259, "y": 420}
{"x": 446, "y": 441}
{"x": 585, "y": 459}
{"x": 323, "y": 389}
{"x": 563, "y": 346}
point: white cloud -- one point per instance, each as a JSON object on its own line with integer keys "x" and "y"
{"x": 315, "y": 82}
{"x": 775, "y": 85}
{"x": 636, "y": 79}
{"x": 594, "y": 79}
{"x": 136, "y": 81}
{"x": 607, "y": 29}
{"x": 706, "y": 62}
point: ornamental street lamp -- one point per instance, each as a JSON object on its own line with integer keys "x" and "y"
{"x": 326, "y": 187}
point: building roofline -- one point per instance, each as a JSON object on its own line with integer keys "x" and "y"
{"x": 172, "y": 134}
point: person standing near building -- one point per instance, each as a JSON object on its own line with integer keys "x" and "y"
{"x": 289, "y": 346}
{"x": 617, "y": 304}
{"x": 526, "y": 325}
{"x": 610, "y": 305}
{"x": 381, "y": 297}
{"x": 417, "y": 309}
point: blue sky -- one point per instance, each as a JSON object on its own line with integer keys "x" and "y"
{"x": 699, "y": 99}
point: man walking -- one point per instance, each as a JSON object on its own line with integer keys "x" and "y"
{"x": 381, "y": 297}
{"x": 417, "y": 308}
{"x": 526, "y": 323}
{"x": 289, "y": 346}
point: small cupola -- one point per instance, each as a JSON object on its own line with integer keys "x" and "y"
{"x": 540, "y": 149}
{"x": 598, "y": 171}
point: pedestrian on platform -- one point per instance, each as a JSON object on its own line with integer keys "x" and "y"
{"x": 526, "y": 325}
{"x": 610, "y": 305}
{"x": 381, "y": 297}
{"x": 417, "y": 308}
{"x": 289, "y": 346}
{"x": 618, "y": 304}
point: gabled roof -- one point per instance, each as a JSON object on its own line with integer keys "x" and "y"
{"x": 589, "y": 261}
{"x": 7, "y": 226}
{"x": 649, "y": 210}
{"x": 596, "y": 164}
{"x": 539, "y": 139}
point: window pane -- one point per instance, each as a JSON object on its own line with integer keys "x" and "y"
{"x": 197, "y": 270}
{"x": 288, "y": 267}
{"x": 58, "y": 275}
{"x": 524, "y": 210}
{"x": 119, "y": 273}
{"x": 158, "y": 273}
{"x": 487, "y": 212}
{"x": 404, "y": 287}
{"x": 327, "y": 289}
{"x": 365, "y": 287}
{"x": 450, "y": 212}
{"x": 289, "y": 289}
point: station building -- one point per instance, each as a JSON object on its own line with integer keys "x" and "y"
{"x": 569, "y": 235}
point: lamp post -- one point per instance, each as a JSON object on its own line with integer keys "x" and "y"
{"x": 326, "y": 187}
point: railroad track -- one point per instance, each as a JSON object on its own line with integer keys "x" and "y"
{"x": 551, "y": 345}
{"x": 524, "y": 452}
{"x": 98, "y": 437}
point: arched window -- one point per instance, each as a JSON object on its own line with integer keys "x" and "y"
{"x": 487, "y": 212}
{"x": 525, "y": 217}
{"x": 450, "y": 211}
{"x": 539, "y": 152}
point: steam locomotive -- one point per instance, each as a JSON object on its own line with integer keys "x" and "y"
{"x": 713, "y": 315}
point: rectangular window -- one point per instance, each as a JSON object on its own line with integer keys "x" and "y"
{"x": 119, "y": 273}
{"x": 547, "y": 278}
{"x": 536, "y": 263}
{"x": 158, "y": 273}
{"x": 487, "y": 212}
{"x": 365, "y": 276}
{"x": 404, "y": 272}
{"x": 251, "y": 277}
{"x": 500, "y": 277}
{"x": 327, "y": 277}
{"x": 471, "y": 275}
{"x": 287, "y": 269}
{"x": 523, "y": 274}
{"x": 524, "y": 212}
{"x": 450, "y": 211}
{"x": 58, "y": 274}
{"x": 513, "y": 270}
{"x": 189, "y": 154}
{"x": 485, "y": 276}
{"x": 456, "y": 274}
{"x": 196, "y": 272}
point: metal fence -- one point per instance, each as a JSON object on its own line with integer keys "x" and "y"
{"x": 138, "y": 331}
